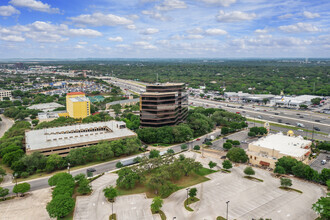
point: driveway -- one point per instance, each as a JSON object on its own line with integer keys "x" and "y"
{"x": 5, "y": 124}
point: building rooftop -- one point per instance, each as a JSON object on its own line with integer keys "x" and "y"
{"x": 123, "y": 101}
{"x": 75, "y": 93}
{"x": 75, "y": 134}
{"x": 46, "y": 106}
{"x": 159, "y": 93}
{"x": 79, "y": 99}
{"x": 167, "y": 84}
{"x": 291, "y": 146}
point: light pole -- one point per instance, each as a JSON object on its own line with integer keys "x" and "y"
{"x": 69, "y": 168}
{"x": 15, "y": 178}
{"x": 227, "y": 210}
{"x": 187, "y": 195}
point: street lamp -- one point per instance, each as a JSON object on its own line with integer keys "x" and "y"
{"x": 15, "y": 178}
{"x": 187, "y": 195}
{"x": 69, "y": 168}
{"x": 227, "y": 210}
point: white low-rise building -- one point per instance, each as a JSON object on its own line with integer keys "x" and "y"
{"x": 5, "y": 93}
{"x": 267, "y": 150}
{"x": 46, "y": 107}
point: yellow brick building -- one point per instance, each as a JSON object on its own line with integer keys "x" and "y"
{"x": 77, "y": 105}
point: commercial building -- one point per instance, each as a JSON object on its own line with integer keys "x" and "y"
{"x": 5, "y": 93}
{"x": 163, "y": 104}
{"x": 46, "y": 107}
{"x": 60, "y": 140}
{"x": 295, "y": 101}
{"x": 77, "y": 105}
{"x": 267, "y": 150}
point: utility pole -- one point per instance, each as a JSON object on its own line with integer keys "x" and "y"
{"x": 227, "y": 210}
{"x": 313, "y": 133}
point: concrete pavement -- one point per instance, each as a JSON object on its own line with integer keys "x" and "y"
{"x": 5, "y": 124}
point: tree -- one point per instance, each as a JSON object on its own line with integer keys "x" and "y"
{"x": 2, "y": 172}
{"x": 59, "y": 177}
{"x": 60, "y": 206}
{"x": 279, "y": 170}
{"x": 316, "y": 101}
{"x": 119, "y": 165}
{"x": 197, "y": 147}
{"x": 154, "y": 154}
{"x": 285, "y": 182}
{"x": 110, "y": 193}
{"x": 227, "y": 145}
{"x": 170, "y": 151}
{"x": 127, "y": 178}
{"x": 192, "y": 192}
{"x": 21, "y": 188}
{"x": 252, "y": 134}
{"x": 189, "y": 164}
{"x": 224, "y": 130}
{"x": 182, "y": 157}
{"x": 249, "y": 171}
{"x": 237, "y": 155}
{"x": 184, "y": 147}
{"x": 236, "y": 143}
{"x": 226, "y": 164}
{"x": 84, "y": 186}
{"x": 212, "y": 164}
{"x": 156, "y": 204}
{"x": 287, "y": 163}
{"x": 3, "y": 192}
{"x": 35, "y": 122}
{"x": 54, "y": 162}
{"x": 322, "y": 207}
{"x": 116, "y": 108}
{"x": 265, "y": 100}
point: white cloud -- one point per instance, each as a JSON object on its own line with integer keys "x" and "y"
{"x": 197, "y": 30}
{"x": 126, "y": 46}
{"x": 299, "y": 27}
{"x": 82, "y": 32}
{"x": 35, "y": 5}
{"x": 78, "y": 46}
{"x": 286, "y": 16}
{"x": 13, "y": 38}
{"x": 235, "y": 16}
{"x": 155, "y": 15}
{"x": 117, "y": 39}
{"x": 8, "y": 10}
{"x": 144, "y": 45}
{"x": 150, "y": 31}
{"x": 170, "y": 5}
{"x": 261, "y": 31}
{"x": 100, "y": 19}
{"x": 308, "y": 14}
{"x": 215, "y": 31}
{"x": 194, "y": 36}
{"x": 82, "y": 42}
{"x": 131, "y": 26}
{"x": 224, "y": 3}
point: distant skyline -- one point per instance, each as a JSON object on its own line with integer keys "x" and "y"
{"x": 164, "y": 29}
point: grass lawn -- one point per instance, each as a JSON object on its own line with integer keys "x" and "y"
{"x": 189, "y": 201}
{"x": 185, "y": 181}
{"x": 113, "y": 216}
{"x": 253, "y": 178}
{"x": 221, "y": 218}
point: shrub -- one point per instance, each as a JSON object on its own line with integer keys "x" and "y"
{"x": 227, "y": 145}
{"x": 286, "y": 182}
{"x": 226, "y": 164}
{"x": 184, "y": 147}
{"x": 212, "y": 164}
{"x": 196, "y": 147}
{"x": 24, "y": 174}
{"x": 249, "y": 171}
{"x": 119, "y": 165}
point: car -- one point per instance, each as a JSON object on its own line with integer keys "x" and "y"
{"x": 279, "y": 120}
{"x": 238, "y": 113}
{"x": 243, "y": 111}
{"x": 301, "y": 116}
{"x": 287, "y": 123}
{"x": 323, "y": 162}
{"x": 265, "y": 110}
{"x": 259, "y": 116}
{"x": 198, "y": 139}
{"x": 271, "y": 117}
{"x": 225, "y": 138}
{"x": 317, "y": 120}
{"x": 317, "y": 129}
{"x": 300, "y": 130}
{"x": 276, "y": 113}
{"x": 91, "y": 170}
{"x": 223, "y": 157}
{"x": 298, "y": 114}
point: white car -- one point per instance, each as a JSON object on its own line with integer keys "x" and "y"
{"x": 299, "y": 130}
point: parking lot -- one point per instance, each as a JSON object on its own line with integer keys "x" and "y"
{"x": 316, "y": 164}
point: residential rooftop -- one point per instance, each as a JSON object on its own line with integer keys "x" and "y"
{"x": 79, "y": 134}
{"x": 291, "y": 146}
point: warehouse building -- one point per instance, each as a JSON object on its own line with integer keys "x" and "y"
{"x": 60, "y": 140}
{"x": 267, "y": 150}
{"x": 163, "y": 105}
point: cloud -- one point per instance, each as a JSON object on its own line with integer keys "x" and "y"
{"x": 299, "y": 27}
{"x": 126, "y": 46}
{"x": 34, "y": 5}
{"x": 78, "y": 46}
{"x": 82, "y": 42}
{"x": 261, "y": 31}
{"x": 194, "y": 36}
{"x": 131, "y": 26}
{"x": 286, "y": 16}
{"x": 8, "y": 10}
{"x": 197, "y": 30}
{"x": 224, "y": 3}
{"x": 215, "y": 31}
{"x": 100, "y": 19}
{"x": 117, "y": 39}
{"x": 13, "y": 38}
{"x": 234, "y": 16}
{"x": 150, "y": 31}
{"x": 308, "y": 14}
{"x": 82, "y": 32}
{"x": 170, "y": 5}
{"x": 155, "y": 15}
{"x": 144, "y": 45}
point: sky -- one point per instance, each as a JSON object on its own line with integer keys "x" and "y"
{"x": 164, "y": 28}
